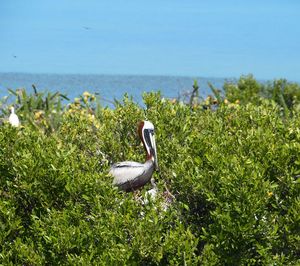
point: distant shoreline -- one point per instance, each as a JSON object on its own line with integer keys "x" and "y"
{"x": 108, "y": 86}
{"x": 117, "y": 75}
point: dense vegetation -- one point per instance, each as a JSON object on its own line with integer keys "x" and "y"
{"x": 230, "y": 161}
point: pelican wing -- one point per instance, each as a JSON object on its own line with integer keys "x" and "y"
{"x": 130, "y": 175}
{"x": 126, "y": 171}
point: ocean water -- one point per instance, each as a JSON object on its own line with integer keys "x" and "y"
{"x": 108, "y": 87}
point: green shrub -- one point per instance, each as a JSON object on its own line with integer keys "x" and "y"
{"x": 231, "y": 172}
{"x": 248, "y": 90}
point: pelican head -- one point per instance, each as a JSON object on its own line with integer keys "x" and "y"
{"x": 146, "y": 132}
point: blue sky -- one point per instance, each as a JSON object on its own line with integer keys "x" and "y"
{"x": 167, "y": 37}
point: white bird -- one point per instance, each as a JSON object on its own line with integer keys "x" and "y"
{"x": 128, "y": 175}
{"x": 13, "y": 118}
{"x": 152, "y": 193}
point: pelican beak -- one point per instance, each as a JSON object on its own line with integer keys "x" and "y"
{"x": 153, "y": 144}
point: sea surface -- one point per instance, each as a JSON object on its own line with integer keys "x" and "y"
{"x": 108, "y": 87}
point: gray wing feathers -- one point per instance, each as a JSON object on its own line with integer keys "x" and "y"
{"x": 126, "y": 171}
{"x": 131, "y": 175}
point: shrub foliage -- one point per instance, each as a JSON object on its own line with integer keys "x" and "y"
{"x": 232, "y": 172}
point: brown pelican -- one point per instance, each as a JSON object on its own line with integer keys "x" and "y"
{"x": 13, "y": 118}
{"x": 128, "y": 175}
